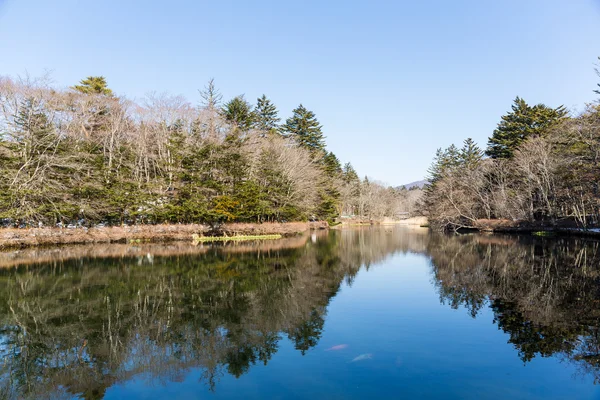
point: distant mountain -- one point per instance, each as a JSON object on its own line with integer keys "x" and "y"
{"x": 414, "y": 184}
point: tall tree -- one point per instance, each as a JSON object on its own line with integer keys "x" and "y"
{"x": 331, "y": 165}
{"x": 444, "y": 161}
{"x": 238, "y": 112}
{"x": 305, "y": 129}
{"x": 208, "y": 123}
{"x": 470, "y": 154}
{"x": 266, "y": 115}
{"x": 522, "y": 122}
{"x": 94, "y": 85}
{"x": 211, "y": 97}
{"x": 349, "y": 174}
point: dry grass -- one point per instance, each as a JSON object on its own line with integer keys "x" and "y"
{"x": 17, "y": 238}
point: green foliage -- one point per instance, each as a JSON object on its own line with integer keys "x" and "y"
{"x": 94, "y": 85}
{"x": 543, "y": 169}
{"x": 306, "y": 130}
{"x": 331, "y": 165}
{"x": 523, "y": 122}
{"x": 443, "y": 162}
{"x": 238, "y": 112}
{"x": 470, "y": 154}
{"x": 96, "y": 159}
{"x": 266, "y": 115}
{"x": 349, "y": 175}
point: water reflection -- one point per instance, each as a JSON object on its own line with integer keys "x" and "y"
{"x": 544, "y": 292}
{"x": 79, "y": 321}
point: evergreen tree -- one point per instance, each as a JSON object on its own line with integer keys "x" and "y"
{"x": 349, "y": 174}
{"x": 238, "y": 112}
{"x": 519, "y": 124}
{"x": 470, "y": 154}
{"x": 443, "y": 162}
{"x": 94, "y": 85}
{"x": 266, "y": 115}
{"x": 304, "y": 128}
{"x": 331, "y": 165}
{"x": 36, "y": 133}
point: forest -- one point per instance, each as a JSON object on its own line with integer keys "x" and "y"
{"x": 84, "y": 155}
{"x": 541, "y": 167}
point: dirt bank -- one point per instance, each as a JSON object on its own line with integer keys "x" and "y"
{"x": 17, "y": 238}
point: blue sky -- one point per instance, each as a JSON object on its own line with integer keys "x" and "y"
{"x": 390, "y": 81}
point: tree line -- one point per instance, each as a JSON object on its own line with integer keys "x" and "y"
{"x": 541, "y": 167}
{"x": 86, "y": 154}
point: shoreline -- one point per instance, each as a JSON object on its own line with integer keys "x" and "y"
{"x": 522, "y": 227}
{"x": 14, "y": 238}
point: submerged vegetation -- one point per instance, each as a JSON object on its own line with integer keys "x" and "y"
{"x": 86, "y": 155}
{"x": 201, "y": 239}
{"x": 542, "y": 169}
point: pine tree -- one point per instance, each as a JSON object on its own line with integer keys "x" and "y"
{"x": 94, "y": 85}
{"x": 443, "y": 162}
{"x": 266, "y": 115}
{"x": 305, "y": 129}
{"x": 519, "y": 124}
{"x": 238, "y": 112}
{"x": 349, "y": 174}
{"x": 470, "y": 154}
{"x": 35, "y": 131}
{"x": 331, "y": 165}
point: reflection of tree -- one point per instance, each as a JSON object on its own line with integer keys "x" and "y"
{"x": 544, "y": 292}
{"x": 531, "y": 338}
{"x": 307, "y": 334}
{"x": 78, "y": 326}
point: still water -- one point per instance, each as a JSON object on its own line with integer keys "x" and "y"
{"x": 383, "y": 313}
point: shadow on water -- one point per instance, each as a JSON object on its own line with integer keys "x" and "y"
{"x": 81, "y": 320}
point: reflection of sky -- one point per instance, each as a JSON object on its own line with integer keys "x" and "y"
{"x": 3, "y": 340}
{"x": 420, "y": 349}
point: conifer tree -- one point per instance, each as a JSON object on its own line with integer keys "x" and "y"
{"x": 305, "y": 129}
{"x": 35, "y": 131}
{"x": 349, "y": 174}
{"x": 211, "y": 97}
{"x": 443, "y": 162}
{"x": 94, "y": 85}
{"x": 331, "y": 165}
{"x": 238, "y": 112}
{"x": 470, "y": 154}
{"x": 522, "y": 122}
{"x": 210, "y": 105}
{"x": 266, "y": 115}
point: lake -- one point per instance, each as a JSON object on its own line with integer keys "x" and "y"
{"x": 378, "y": 312}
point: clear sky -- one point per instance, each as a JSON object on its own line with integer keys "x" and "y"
{"x": 390, "y": 81}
